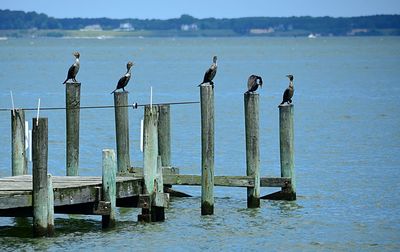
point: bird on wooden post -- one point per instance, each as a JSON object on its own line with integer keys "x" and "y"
{"x": 288, "y": 94}
{"x": 123, "y": 81}
{"x": 74, "y": 69}
{"x": 210, "y": 73}
{"x": 253, "y": 82}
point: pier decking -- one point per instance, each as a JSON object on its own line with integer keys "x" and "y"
{"x": 80, "y": 194}
{"x": 72, "y": 194}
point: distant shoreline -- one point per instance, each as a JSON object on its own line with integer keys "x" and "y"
{"x": 34, "y": 33}
{"x": 32, "y": 24}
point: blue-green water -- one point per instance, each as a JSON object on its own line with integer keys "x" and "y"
{"x": 347, "y": 138}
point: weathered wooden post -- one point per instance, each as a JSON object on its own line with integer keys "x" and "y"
{"x": 109, "y": 186}
{"x": 286, "y": 136}
{"x": 152, "y": 201}
{"x": 73, "y": 101}
{"x": 164, "y": 135}
{"x": 50, "y": 206}
{"x": 251, "y": 112}
{"x": 122, "y": 130}
{"x": 207, "y": 149}
{"x": 39, "y": 171}
{"x": 150, "y": 154}
{"x": 150, "y": 147}
{"x": 19, "y": 162}
{"x": 160, "y": 199}
{"x": 164, "y": 139}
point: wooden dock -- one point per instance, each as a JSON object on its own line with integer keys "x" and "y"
{"x": 41, "y": 195}
{"x": 72, "y": 195}
{"x": 80, "y": 194}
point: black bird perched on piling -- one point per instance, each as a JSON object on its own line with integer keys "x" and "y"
{"x": 124, "y": 79}
{"x": 74, "y": 69}
{"x": 210, "y": 73}
{"x": 288, "y": 94}
{"x": 253, "y": 82}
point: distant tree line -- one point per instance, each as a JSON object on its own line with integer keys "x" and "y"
{"x": 371, "y": 25}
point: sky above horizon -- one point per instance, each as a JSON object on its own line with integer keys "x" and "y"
{"x": 161, "y": 9}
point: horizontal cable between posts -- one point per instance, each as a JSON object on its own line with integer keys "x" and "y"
{"x": 134, "y": 106}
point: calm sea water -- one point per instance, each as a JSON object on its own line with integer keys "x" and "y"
{"x": 347, "y": 138}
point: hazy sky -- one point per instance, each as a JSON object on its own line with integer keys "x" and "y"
{"x": 164, "y": 9}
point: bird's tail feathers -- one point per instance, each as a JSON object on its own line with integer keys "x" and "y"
{"x": 113, "y": 91}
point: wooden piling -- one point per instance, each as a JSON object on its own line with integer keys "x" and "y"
{"x": 72, "y": 99}
{"x": 158, "y": 208}
{"x": 150, "y": 163}
{"x": 150, "y": 147}
{"x": 19, "y": 162}
{"x": 251, "y": 111}
{"x": 286, "y": 136}
{"x": 39, "y": 171}
{"x": 122, "y": 131}
{"x": 50, "y": 206}
{"x": 164, "y": 134}
{"x": 109, "y": 186}
{"x": 207, "y": 149}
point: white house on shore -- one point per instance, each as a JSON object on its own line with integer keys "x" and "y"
{"x": 126, "y": 27}
{"x": 95, "y": 27}
{"x": 189, "y": 27}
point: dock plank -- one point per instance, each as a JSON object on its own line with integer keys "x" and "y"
{"x": 16, "y": 192}
{"x": 232, "y": 181}
{"x": 24, "y": 183}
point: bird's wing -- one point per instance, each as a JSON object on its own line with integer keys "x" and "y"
{"x": 71, "y": 71}
{"x": 207, "y": 75}
{"x": 286, "y": 94}
{"x": 128, "y": 77}
{"x": 290, "y": 92}
{"x": 76, "y": 69}
{"x": 122, "y": 81}
{"x": 213, "y": 73}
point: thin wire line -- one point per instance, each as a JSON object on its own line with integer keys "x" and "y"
{"x": 105, "y": 106}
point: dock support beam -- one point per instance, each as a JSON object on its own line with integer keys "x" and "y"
{"x": 40, "y": 192}
{"x": 152, "y": 201}
{"x": 286, "y": 136}
{"x": 109, "y": 186}
{"x": 164, "y": 134}
{"x": 251, "y": 112}
{"x": 122, "y": 131}
{"x": 207, "y": 149}
{"x": 73, "y": 101}
{"x": 19, "y": 161}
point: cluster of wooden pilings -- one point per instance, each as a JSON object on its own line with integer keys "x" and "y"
{"x": 156, "y": 158}
{"x": 251, "y": 110}
{"x": 42, "y": 185}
